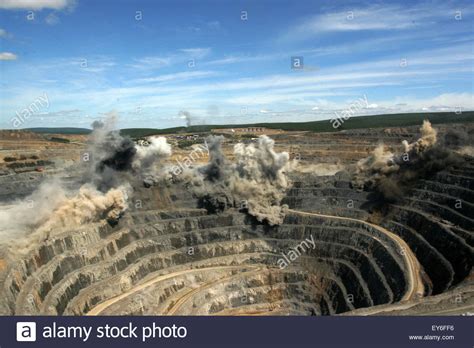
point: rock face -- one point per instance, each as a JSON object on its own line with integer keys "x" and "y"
{"x": 337, "y": 251}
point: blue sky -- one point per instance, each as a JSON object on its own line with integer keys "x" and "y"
{"x": 230, "y": 61}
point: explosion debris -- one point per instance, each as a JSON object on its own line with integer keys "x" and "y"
{"x": 117, "y": 159}
{"x": 115, "y": 166}
{"x": 89, "y": 205}
{"x": 390, "y": 174}
{"x": 256, "y": 181}
{"x": 148, "y": 160}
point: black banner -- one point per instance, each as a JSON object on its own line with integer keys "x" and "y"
{"x": 324, "y": 332}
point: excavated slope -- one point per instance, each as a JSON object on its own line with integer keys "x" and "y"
{"x": 334, "y": 253}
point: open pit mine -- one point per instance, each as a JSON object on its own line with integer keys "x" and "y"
{"x": 354, "y": 222}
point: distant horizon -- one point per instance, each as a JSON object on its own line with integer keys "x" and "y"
{"x": 255, "y": 123}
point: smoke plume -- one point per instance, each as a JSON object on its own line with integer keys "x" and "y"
{"x": 114, "y": 163}
{"x": 20, "y": 218}
{"x": 116, "y": 159}
{"x": 460, "y": 140}
{"x": 88, "y": 205}
{"x": 149, "y": 161}
{"x": 391, "y": 174}
{"x": 187, "y": 116}
{"x": 256, "y": 181}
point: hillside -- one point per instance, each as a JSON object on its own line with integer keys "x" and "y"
{"x": 59, "y": 130}
{"x": 377, "y": 121}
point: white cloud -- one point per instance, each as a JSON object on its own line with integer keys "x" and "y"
{"x": 230, "y": 60}
{"x": 96, "y": 64}
{"x": 442, "y": 102}
{"x": 36, "y": 4}
{"x": 52, "y": 19}
{"x": 373, "y": 17}
{"x": 68, "y": 68}
{"x": 234, "y": 59}
{"x": 7, "y": 56}
{"x": 196, "y": 53}
{"x": 4, "y": 34}
{"x": 289, "y": 89}
{"x": 214, "y": 25}
{"x": 181, "y": 56}
{"x": 164, "y": 94}
{"x": 404, "y": 104}
{"x": 327, "y": 108}
{"x": 151, "y": 62}
{"x": 181, "y": 76}
{"x": 63, "y": 113}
